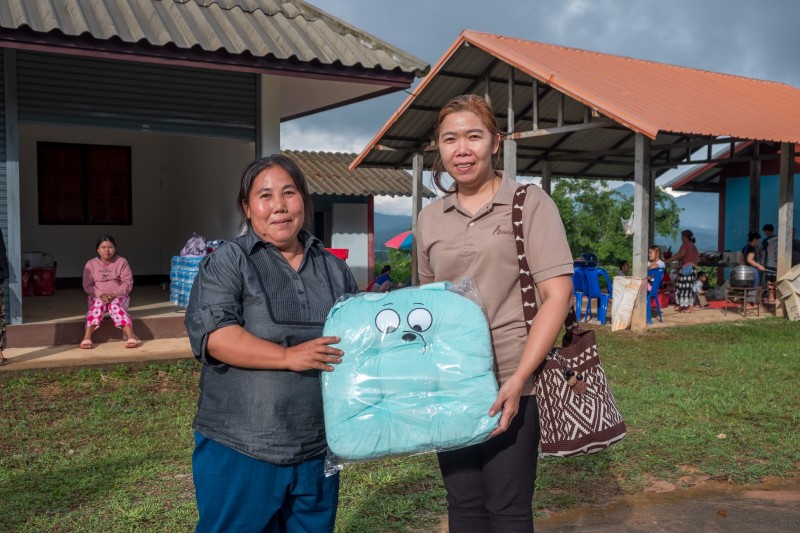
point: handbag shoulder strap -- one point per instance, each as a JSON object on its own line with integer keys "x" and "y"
{"x": 526, "y": 284}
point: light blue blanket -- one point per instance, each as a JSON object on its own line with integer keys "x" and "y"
{"x": 417, "y": 374}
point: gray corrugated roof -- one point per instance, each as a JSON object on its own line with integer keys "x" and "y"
{"x": 326, "y": 173}
{"x": 280, "y": 29}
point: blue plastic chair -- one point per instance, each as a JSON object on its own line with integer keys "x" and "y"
{"x": 578, "y": 290}
{"x": 602, "y": 271}
{"x": 655, "y": 275}
{"x": 590, "y": 259}
{"x": 593, "y": 292}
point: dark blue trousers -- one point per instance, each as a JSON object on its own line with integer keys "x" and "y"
{"x": 238, "y": 493}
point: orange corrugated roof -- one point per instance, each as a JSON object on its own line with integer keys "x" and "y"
{"x": 645, "y": 96}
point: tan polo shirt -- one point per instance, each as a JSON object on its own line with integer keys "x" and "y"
{"x": 453, "y": 244}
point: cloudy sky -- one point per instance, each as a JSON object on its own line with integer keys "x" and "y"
{"x": 758, "y": 39}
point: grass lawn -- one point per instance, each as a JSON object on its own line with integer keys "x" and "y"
{"x": 111, "y": 450}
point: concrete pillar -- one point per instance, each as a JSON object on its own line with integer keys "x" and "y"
{"x": 785, "y": 209}
{"x": 642, "y": 190}
{"x": 13, "y": 236}
{"x": 416, "y": 205}
{"x": 509, "y": 145}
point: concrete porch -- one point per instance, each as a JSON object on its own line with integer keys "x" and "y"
{"x": 59, "y": 319}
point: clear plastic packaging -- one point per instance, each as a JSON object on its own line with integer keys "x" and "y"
{"x": 417, "y": 373}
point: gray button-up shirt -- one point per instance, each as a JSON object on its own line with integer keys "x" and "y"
{"x": 273, "y": 415}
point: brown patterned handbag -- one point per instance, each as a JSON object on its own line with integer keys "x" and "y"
{"x": 577, "y": 411}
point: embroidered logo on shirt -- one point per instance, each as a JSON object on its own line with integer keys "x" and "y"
{"x": 500, "y": 231}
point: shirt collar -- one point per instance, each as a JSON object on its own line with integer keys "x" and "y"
{"x": 503, "y": 196}
{"x": 253, "y": 241}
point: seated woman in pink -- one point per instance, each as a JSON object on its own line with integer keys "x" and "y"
{"x": 108, "y": 281}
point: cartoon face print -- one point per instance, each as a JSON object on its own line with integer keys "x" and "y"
{"x": 410, "y": 328}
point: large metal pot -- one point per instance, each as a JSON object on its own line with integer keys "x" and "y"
{"x": 743, "y": 276}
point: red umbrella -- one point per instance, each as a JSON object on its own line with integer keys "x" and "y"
{"x": 401, "y": 241}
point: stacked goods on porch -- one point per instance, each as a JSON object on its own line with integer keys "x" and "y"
{"x": 181, "y": 276}
{"x": 788, "y": 289}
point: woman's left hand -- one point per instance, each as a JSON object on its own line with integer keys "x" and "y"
{"x": 507, "y": 403}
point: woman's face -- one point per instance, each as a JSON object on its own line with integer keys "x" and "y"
{"x": 651, "y": 255}
{"x": 466, "y": 147}
{"x": 106, "y": 250}
{"x": 275, "y": 208}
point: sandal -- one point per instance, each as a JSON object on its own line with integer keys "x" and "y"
{"x": 133, "y": 343}
{"x": 86, "y": 344}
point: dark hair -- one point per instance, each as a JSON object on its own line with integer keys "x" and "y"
{"x": 263, "y": 163}
{"x": 386, "y": 268}
{"x": 103, "y": 238}
{"x": 701, "y": 273}
{"x": 689, "y": 235}
{"x": 768, "y": 227}
{"x": 622, "y": 264}
{"x": 466, "y": 102}
{"x": 753, "y": 235}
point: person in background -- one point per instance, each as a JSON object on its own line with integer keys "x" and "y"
{"x": 108, "y": 281}
{"x": 700, "y": 287}
{"x": 384, "y": 280}
{"x": 769, "y": 253}
{"x": 3, "y": 278}
{"x": 490, "y": 485}
{"x": 624, "y": 268}
{"x": 688, "y": 256}
{"x": 654, "y": 258}
{"x": 795, "y": 248}
{"x": 750, "y": 256}
{"x": 255, "y": 319}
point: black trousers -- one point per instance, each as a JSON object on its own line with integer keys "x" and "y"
{"x": 490, "y": 485}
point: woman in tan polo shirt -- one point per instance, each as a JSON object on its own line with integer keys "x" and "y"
{"x": 468, "y": 233}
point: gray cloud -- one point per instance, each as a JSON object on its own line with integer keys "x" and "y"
{"x": 741, "y": 37}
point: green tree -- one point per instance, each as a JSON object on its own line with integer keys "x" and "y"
{"x": 592, "y": 214}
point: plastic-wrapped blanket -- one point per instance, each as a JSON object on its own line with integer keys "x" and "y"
{"x": 417, "y": 374}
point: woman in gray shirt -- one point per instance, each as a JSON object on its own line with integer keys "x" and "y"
{"x": 255, "y": 319}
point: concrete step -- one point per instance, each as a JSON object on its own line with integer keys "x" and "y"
{"x": 71, "y": 332}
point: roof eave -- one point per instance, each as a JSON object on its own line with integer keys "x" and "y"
{"x": 87, "y": 46}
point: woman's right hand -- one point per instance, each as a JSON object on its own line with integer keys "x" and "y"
{"x": 315, "y": 354}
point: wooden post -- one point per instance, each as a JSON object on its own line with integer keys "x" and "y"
{"x": 416, "y": 205}
{"x": 755, "y": 195}
{"x": 785, "y": 209}
{"x": 487, "y": 85}
{"x": 535, "y": 110}
{"x": 510, "y": 145}
{"x": 546, "y": 178}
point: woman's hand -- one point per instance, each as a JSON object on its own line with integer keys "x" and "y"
{"x": 105, "y": 298}
{"x": 314, "y": 355}
{"x": 508, "y": 403}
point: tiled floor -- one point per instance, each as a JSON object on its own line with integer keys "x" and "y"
{"x": 147, "y": 301}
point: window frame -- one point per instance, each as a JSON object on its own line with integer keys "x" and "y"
{"x": 84, "y": 151}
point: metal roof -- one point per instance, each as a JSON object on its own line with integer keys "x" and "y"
{"x": 284, "y": 30}
{"x": 708, "y": 177}
{"x": 327, "y": 173}
{"x": 678, "y": 107}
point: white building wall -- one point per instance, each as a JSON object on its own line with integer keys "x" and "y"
{"x": 350, "y": 231}
{"x": 181, "y": 184}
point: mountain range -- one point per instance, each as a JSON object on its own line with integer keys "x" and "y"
{"x": 699, "y": 213}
